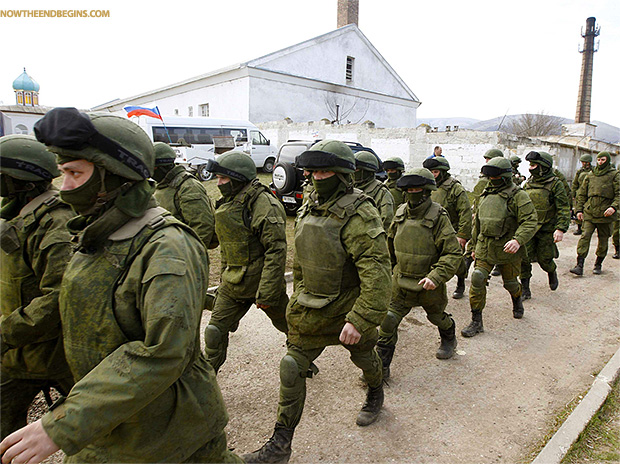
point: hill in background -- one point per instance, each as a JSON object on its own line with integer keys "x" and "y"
{"x": 605, "y": 132}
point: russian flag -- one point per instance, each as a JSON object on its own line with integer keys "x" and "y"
{"x": 141, "y": 111}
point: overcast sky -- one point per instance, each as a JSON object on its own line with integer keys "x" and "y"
{"x": 477, "y": 58}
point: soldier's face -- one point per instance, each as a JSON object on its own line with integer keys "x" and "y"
{"x": 391, "y": 171}
{"x": 221, "y": 180}
{"x": 585, "y": 164}
{"x": 414, "y": 189}
{"x": 76, "y": 173}
{"x": 600, "y": 161}
{"x": 435, "y": 172}
{"x": 320, "y": 175}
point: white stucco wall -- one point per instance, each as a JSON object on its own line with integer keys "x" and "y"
{"x": 12, "y": 120}
{"x": 273, "y": 100}
{"x": 324, "y": 58}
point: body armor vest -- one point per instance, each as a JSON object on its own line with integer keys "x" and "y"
{"x": 540, "y": 192}
{"x": 495, "y": 219}
{"x": 602, "y": 186}
{"x": 414, "y": 246}
{"x": 441, "y": 196}
{"x": 327, "y": 270}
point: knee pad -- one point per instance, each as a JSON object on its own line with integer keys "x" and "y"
{"x": 213, "y": 337}
{"x": 289, "y": 371}
{"x": 512, "y": 286}
{"x": 479, "y": 277}
{"x": 390, "y": 322}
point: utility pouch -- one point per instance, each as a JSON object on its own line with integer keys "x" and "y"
{"x": 9, "y": 240}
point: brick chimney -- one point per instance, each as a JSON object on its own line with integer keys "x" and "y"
{"x": 348, "y": 11}
{"x": 585, "y": 84}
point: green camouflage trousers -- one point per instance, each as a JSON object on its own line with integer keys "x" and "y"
{"x": 215, "y": 451}
{"x": 297, "y": 365}
{"x": 480, "y": 276}
{"x": 542, "y": 249}
{"x": 603, "y": 230}
{"x": 225, "y": 317}
{"x": 615, "y": 238}
{"x": 434, "y": 302}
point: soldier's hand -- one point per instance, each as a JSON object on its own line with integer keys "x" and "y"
{"x": 262, "y": 306}
{"x": 558, "y": 236}
{"x": 349, "y": 334}
{"x": 462, "y": 242}
{"x": 512, "y": 247}
{"x": 30, "y": 444}
{"x": 427, "y": 284}
{"x": 609, "y": 211}
{"x": 580, "y": 216}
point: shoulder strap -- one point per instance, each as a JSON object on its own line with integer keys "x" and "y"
{"x": 348, "y": 203}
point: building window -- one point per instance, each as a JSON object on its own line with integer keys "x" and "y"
{"x": 20, "y": 98}
{"x": 176, "y": 111}
{"x": 27, "y": 99}
{"x": 21, "y": 129}
{"x": 349, "y": 73}
{"x": 35, "y": 99}
{"x": 204, "y": 110}
{"x": 190, "y": 111}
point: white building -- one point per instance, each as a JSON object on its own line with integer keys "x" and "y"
{"x": 336, "y": 76}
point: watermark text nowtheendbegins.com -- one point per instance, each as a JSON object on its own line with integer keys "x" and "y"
{"x": 54, "y": 13}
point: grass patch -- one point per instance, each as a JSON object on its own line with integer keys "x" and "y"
{"x": 600, "y": 441}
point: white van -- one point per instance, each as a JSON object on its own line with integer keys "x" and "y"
{"x": 195, "y": 140}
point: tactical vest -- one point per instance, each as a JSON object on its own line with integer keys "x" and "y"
{"x": 239, "y": 245}
{"x": 326, "y": 268}
{"x": 541, "y": 194}
{"x": 20, "y": 286}
{"x": 414, "y": 246}
{"x": 441, "y": 196}
{"x": 602, "y": 186}
{"x": 93, "y": 329}
{"x": 175, "y": 185}
{"x": 495, "y": 218}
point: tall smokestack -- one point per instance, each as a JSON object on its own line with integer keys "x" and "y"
{"x": 348, "y": 11}
{"x": 585, "y": 84}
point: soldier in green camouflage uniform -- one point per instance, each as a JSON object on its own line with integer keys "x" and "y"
{"x": 517, "y": 177}
{"x": 183, "y": 195}
{"x": 482, "y": 183}
{"x": 366, "y": 165}
{"x": 425, "y": 253}
{"x": 598, "y": 200}
{"x": 505, "y": 221}
{"x": 586, "y": 167}
{"x": 553, "y": 209}
{"x": 130, "y": 304}
{"x": 341, "y": 290}
{"x": 453, "y": 197}
{"x": 394, "y": 167}
{"x": 36, "y": 247}
{"x": 250, "y": 224}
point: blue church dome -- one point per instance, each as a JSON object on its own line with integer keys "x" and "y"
{"x": 25, "y": 82}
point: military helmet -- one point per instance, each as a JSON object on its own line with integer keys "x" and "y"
{"x": 437, "y": 162}
{"x": 515, "y": 160}
{"x": 498, "y": 167}
{"x": 327, "y": 155}
{"x": 493, "y": 153}
{"x": 115, "y": 143}
{"x": 366, "y": 161}
{"x": 416, "y": 178}
{"x": 164, "y": 154}
{"x": 542, "y": 158}
{"x": 234, "y": 164}
{"x": 394, "y": 163}
{"x": 26, "y": 159}
{"x": 585, "y": 158}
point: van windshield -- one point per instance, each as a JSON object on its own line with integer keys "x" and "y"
{"x": 198, "y": 135}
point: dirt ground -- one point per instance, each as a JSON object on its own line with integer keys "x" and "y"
{"x": 493, "y": 402}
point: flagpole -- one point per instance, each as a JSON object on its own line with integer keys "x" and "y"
{"x": 162, "y": 121}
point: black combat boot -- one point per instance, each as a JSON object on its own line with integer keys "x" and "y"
{"x": 460, "y": 288}
{"x": 578, "y": 269}
{"x": 598, "y": 264}
{"x": 616, "y": 255}
{"x": 372, "y": 406}
{"x": 517, "y": 307}
{"x": 448, "y": 342}
{"x": 386, "y": 353}
{"x": 277, "y": 450}
{"x": 578, "y": 231}
{"x": 495, "y": 272}
{"x": 475, "y": 326}
{"x": 553, "y": 280}
{"x": 526, "y": 294}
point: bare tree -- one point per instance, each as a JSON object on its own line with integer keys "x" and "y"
{"x": 339, "y": 108}
{"x": 531, "y": 125}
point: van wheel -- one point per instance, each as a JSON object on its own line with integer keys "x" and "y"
{"x": 268, "y": 166}
{"x": 203, "y": 174}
